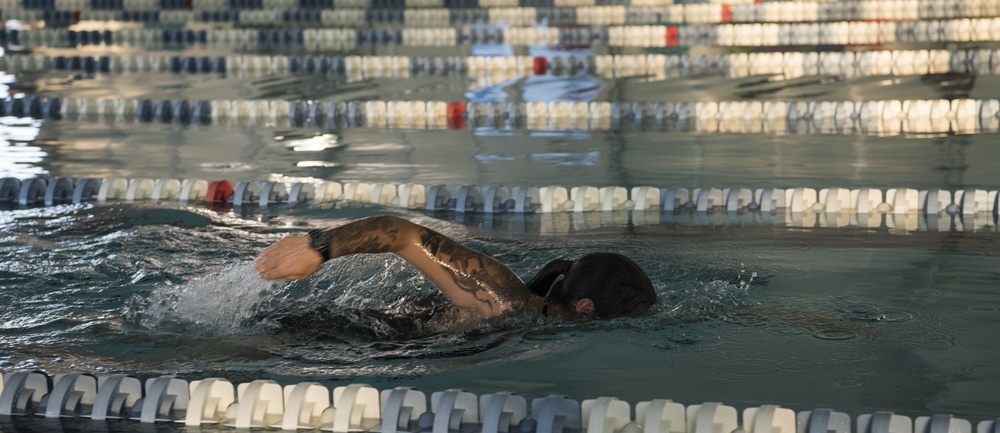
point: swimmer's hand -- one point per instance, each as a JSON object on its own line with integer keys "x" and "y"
{"x": 288, "y": 259}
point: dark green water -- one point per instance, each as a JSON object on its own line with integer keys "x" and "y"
{"x": 857, "y": 320}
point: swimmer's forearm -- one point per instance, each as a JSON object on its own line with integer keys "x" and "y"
{"x": 381, "y": 234}
{"x": 467, "y": 277}
{"x": 298, "y": 257}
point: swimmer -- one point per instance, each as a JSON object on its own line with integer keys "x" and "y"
{"x": 602, "y": 285}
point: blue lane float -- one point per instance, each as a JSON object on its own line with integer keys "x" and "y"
{"x": 23, "y": 392}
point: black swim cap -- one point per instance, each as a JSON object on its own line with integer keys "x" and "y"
{"x": 616, "y": 284}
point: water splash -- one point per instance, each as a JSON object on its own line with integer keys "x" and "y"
{"x": 699, "y": 292}
{"x": 219, "y": 303}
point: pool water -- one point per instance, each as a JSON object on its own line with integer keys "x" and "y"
{"x": 753, "y": 308}
{"x": 853, "y": 319}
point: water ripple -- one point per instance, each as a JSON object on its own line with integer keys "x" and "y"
{"x": 746, "y": 369}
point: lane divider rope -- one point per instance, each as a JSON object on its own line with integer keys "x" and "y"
{"x": 884, "y": 117}
{"x": 723, "y": 35}
{"x": 901, "y": 210}
{"x": 150, "y": 11}
{"x": 264, "y": 403}
{"x": 502, "y": 199}
{"x": 336, "y": 4}
{"x": 502, "y": 68}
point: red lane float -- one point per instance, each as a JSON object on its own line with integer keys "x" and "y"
{"x": 219, "y": 191}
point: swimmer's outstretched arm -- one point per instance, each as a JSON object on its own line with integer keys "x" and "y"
{"x": 468, "y": 278}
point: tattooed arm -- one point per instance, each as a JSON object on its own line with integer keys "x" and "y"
{"x": 468, "y": 278}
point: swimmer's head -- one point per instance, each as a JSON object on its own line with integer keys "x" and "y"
{"x": 603, "y": 284}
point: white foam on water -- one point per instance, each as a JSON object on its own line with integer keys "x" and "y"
{"x": 219, "y": 303}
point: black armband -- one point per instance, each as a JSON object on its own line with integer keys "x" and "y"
{"x": 319, "y": 242}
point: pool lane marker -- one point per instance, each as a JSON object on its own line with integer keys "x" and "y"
{"x": 719, "y": 35}
{"x": 67, "y": 13}
{"x": 495, "y": 69}
{"x": 265, "y": 404}
{"x": 901, "y": 8}
{"x": 504, "y": 199}
{"x": 882, "y": 117}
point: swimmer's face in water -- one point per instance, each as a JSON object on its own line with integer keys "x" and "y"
{"x": 603, "y": 285}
